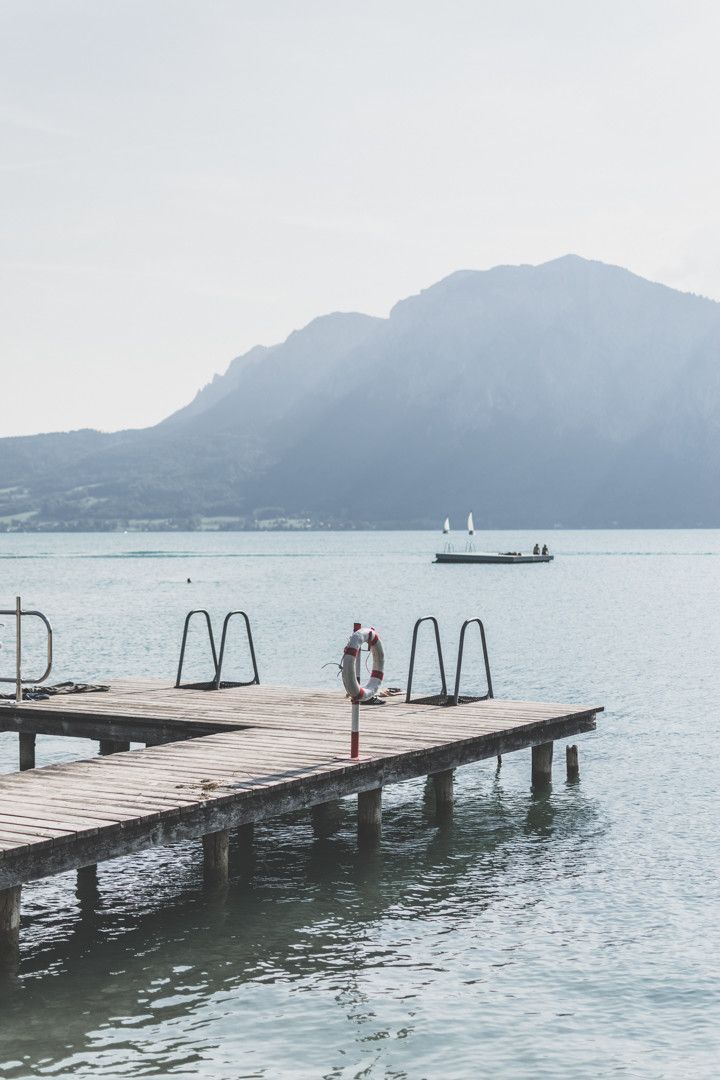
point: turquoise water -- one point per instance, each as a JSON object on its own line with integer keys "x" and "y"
{"x": 571, "y": 935}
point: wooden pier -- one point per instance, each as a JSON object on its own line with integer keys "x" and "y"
{"x": 217, "y": 761}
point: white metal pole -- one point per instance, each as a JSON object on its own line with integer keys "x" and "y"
{"x": 355, "y": 722}
{"x": 18, "y": 650}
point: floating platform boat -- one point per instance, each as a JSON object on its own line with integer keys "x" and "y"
{"x": 489, "y": 557}
{"x": 470, "y": 555}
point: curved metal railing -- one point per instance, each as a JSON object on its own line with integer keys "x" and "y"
{"x": 216, "y": 682}
{"x": 443, "y": 698}
{"x": 433, "y": 620}
{"x": 458, "y": 669}
{"x": 219, "y": 684}
{"x": 210, "y": 683}
{"x": 17, "y": 678}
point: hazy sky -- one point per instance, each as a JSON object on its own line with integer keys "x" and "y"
{"x": 183, "y": 179}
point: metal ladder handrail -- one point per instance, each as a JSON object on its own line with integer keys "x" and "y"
{"x": 256, "y": 677}
{"x": 19, "y": 614}
{"x": 461, "y": 646}
{"x": 433, "y": 620}
{"x": 188, "y": 617}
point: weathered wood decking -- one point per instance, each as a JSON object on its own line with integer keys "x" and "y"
{"x": 229, "y": 758}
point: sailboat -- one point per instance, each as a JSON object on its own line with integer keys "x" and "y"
{"x": 470, "y": 555}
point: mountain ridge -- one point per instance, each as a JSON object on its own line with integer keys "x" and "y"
{"x": 571, "y": 392}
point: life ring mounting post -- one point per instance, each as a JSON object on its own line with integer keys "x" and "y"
{"x": 350, "y": 666}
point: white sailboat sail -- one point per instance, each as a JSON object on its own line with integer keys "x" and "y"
{"x": 471, "y": 525}
{"x": 446, "y": 525}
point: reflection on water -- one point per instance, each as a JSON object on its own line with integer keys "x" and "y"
{"x": 144, "y": 956}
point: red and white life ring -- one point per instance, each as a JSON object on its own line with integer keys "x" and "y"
{"x": 366, "y": 635}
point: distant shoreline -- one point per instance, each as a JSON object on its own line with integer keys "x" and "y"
{"x": 86, "y": 529}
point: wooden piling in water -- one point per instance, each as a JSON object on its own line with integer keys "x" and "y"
{"x": 87, "y": 883}
{"x": 444, "y": 791}
{"x": 27, "y": 750}
{"x": 572, "y": 764}
{"x": 369, "y": 821}
{"x": 9, "y": 926}
{"x": 216, "y": 847}
{"x": 245, "y": 834}
{"x": 542, "y": 756}
{"x": 324, "y": 817}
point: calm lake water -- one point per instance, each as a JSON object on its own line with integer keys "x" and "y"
{"x": 570, "y": 935}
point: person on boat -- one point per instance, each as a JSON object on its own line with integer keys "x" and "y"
{"x": 545, "y": 550}
{"x": 536, "y": 549}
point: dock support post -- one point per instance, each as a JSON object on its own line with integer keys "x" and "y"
{"x": 369, "y": 816}
{"x": 27, "y": 751}
{"x": 542, "y": 757}
{"x": 324, "y": 817}
{"x": 216, "y": 846}
{"x": 87, "y": 884}
{"x": 572, "y": 764}
{"x": 444, "y": 795}
{"x": 9, "y": 926}
{"x": 245, "y": 834}
{"x": 112, "y": 746}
